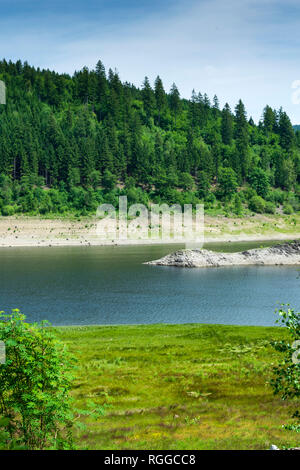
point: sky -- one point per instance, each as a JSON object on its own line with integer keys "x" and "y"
{"x": 246, "y": 49}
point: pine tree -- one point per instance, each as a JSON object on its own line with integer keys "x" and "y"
{"x": 216, "y": 106}
{"x": 101, "y": 82}
{"x": 160, "y": 96}
{"x": 241, "y": 134}
{"x": 227, "y": 125}
{"x": 174, "y": 100}
{"x": 286, "y": 132}
{"x": 148, "y": 98}
{"x": 269, "y": 119}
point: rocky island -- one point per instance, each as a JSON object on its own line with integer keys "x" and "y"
{"x": 282, "y": 254}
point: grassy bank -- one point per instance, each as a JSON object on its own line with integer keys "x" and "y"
{"x": 179, "y": 387}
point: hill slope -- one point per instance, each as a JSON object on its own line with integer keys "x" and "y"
{"x": 70, "y": 143}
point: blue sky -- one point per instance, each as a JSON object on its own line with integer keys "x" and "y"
{"x": 245, "y": 49}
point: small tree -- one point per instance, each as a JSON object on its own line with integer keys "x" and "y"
{"x": 257, "y": 204}
{"x": 186, "y": 181}
{"x": 227, "y": 182}
{"x": 237, "y": 205}
{"x": 109, "y": 180}
{"x": 286, "y": 375}
{"x": 35, "y": 382}
{"x": 259, "y": 181}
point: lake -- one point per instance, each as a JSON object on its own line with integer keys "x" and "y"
{"x": 110, "y": 285}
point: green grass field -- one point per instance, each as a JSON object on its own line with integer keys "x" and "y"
{"x": 179, "y": 387}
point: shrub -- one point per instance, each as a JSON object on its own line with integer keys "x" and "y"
{"x": 237, "y": 205}
{"x": 257, "y": 204}
{"x": 270, "y": 208}
{"x": 210, "y": 198}
{"x": 35, "y": 383}
{"x": 259, "y": 181}
{"x": 288, "y": 209}
{"x": 247, "y": 194}
{"x": 293, "y": 201}
{"x": 203, "y": 184}
{"x": 277, "y": 196}
{"x": 8, "y": 210}
{"x": 136, "y": 195}
{"x": 186, "y": 181}
{"x": 109, "y": 180}
{"x": 286, "y": 375}
{"x": 227, "y": 182}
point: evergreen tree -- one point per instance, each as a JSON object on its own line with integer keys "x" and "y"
{"x": 160, "y": 96}
{"x": 148, "y": 98}
{"x": 174, "y": 100}
{"x": 241, "y": 135}
{"x": 227, "y": 125}
{"x": 286, "y": 132}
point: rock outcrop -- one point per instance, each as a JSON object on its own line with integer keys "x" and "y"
{"x": 284, "y": 254}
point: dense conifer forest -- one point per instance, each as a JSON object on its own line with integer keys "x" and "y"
{"x": 68, "y": 144}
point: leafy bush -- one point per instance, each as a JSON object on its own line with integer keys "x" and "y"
{"x": 186, "y": 181}
{"x": 8, "y": 210}
{"x": 247, "y": 193}
{"x": 227, "y": 182}
{"x": 270, "y": 208}
{"x": 293, "y": 201}
{"x": 288, "y": 209}
{"x": 109, "y": 180}
{"x": 257, "y": 204}
{"x": 237, "y": 205}
{"x": 35, "y": 383}
{"x": 136, "y": 195}
{"x": 259, "y": 181}
{"x": 277, "y": 196}
{"x": 203, "y": 185}
{"x": 286, "y": 375}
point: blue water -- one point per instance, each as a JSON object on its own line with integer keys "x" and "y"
{"x": 110, "y": 285}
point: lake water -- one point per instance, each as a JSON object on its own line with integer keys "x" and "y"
{"x": 110, "y": 285}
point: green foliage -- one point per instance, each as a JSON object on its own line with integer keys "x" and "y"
{"x": 35, "y": 384}
{"x": 288, "y": 209}
{"x": 259, "y": 181}
{"x": 237, "y": 205}
{"x": 257, "y": 204}
{"x": 8, "y": 210}
{"x": 67, "y": 142}
{"x": 286, "y": 375}
{"x": 186, "y": 181}
{"x": 109, "y": 180}
{"x": 203, "y": 185}
{"x": 227, "y": 182}
{"x": 270, "y": 207}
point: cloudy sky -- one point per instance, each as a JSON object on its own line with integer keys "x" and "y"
{"x": 245, "y": 49}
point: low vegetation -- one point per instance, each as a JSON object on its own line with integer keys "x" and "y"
{"x": 180, "y": 387}
{"x": 36, "y": 409}
{"x": 161, "y": 386}
{"x": 286, "y": 374}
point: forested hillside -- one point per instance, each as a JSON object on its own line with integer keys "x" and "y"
{"x": 70, "y": 143}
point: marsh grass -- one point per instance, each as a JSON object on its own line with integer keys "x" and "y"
{"x": 179, "y": 387}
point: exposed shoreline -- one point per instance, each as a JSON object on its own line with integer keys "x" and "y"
{"x": 284, "y": 254}
{"x": 35, "y": 232}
